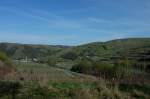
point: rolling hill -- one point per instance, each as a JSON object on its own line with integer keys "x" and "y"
{"x": 19, "y": 51}
{"x": 134, "y": 48}
{"x": 115, "y": 49}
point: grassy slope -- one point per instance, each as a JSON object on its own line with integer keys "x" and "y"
{"x": 115, "y": 45}
{"x": 45, "y": 74}
{"x": 17, "y": 51}
{"x": 49, "y": 75}
{"x": 63, "y": 84}
{"x": 101, "y": 49}
{"x": 113, "y": 48}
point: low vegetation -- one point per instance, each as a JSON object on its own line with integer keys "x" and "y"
{"x": 118, "y": 69}
{"x": 4, "y": 58}
{"x": 6, "y": 66}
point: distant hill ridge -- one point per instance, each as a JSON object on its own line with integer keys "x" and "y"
{"x": 99, "y": 49}
{"x": 17, "y": 51}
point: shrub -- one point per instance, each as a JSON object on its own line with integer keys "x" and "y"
{"x": 84, "y": 66}
{"x": 35, "y": 91}
{"x": 52, "y": 61}
{"x": 48, "y": 60}
{"x": 103, "y": 70}
{"x": 122, "y": 69}
{"x": 8, "y": 88}
{"x": 118, "y": 70}
{"x": 4, "y": 58}
{"x": 70, "y": 55}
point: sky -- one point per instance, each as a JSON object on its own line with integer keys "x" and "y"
{"x": 72, "y": 22}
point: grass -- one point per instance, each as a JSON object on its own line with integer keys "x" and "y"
{"x": 45, "y": 74}
{"x": 131, "y": 87}
{"x": 41, "y": 81}
{"x": 70, "y": 85}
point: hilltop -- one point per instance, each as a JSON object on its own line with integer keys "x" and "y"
{"x": 101, "y": 51}
{"x": 19, "y": 51}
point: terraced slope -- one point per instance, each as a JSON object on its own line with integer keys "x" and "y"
{"x": 113, "y": 49}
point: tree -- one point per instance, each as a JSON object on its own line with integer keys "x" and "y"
{"x": 4, "y": 58}
{"x": 104, "y": 70}
{"x": 70, "y": 55}
{"x": 84, "y": 66}
{"x": 52, "y": 61}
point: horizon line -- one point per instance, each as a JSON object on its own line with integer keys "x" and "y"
{"x": 42, "y": 44}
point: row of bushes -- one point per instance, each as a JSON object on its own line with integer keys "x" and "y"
{"x": 119, "y": 69}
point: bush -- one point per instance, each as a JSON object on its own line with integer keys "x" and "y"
{"x": 4, "y": 58}
{"x": 8, "y": 88}
{"x": 84, "y": 66}
{"x": 122, "y": 69}
{"x": 104, "y": 70}
{"x": 70, "y": 55}
{"x": 51, "y": 61}
{"x": 118, "y": 70}
{"x": 35, "y": 91}
{"x": 94, "y": 68}
{"x": 14, "y": 90}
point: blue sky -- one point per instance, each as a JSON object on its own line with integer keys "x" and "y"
{"x": 72, "y": 22}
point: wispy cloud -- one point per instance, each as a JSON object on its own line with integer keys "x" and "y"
{"x": 46, "y": 16}
{"x": 86, "y": 26}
